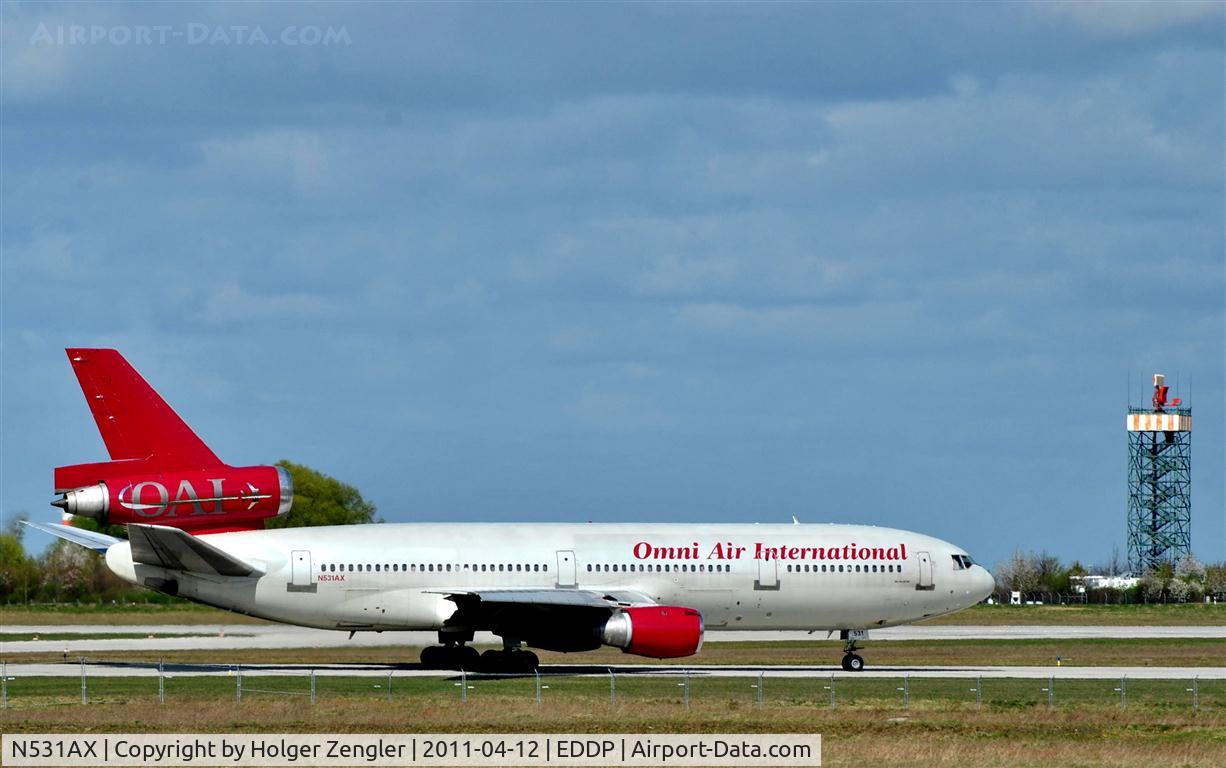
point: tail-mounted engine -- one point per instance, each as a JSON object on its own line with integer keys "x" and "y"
{"x": 220, "y": 498}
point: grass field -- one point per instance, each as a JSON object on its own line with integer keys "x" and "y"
{"x": 1191, "y": 652}
{"x": 1186, "y": 614}
{"x": 941, "y": 725}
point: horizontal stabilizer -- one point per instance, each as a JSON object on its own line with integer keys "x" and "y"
{"x": 178, "y": 550}
{"x": 99, "y": 542}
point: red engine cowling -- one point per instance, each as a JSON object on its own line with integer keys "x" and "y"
{"x": 216, "y": 499}
{"x": 656, "y": 631}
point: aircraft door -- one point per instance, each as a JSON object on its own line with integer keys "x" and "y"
{"x": 566, "y": 568}
{"x": 768, "y": 575}
{"x": 925, "y": 571}
{"x": 300, "y": 568}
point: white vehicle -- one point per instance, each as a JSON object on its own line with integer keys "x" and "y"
{"x": 650, "y": 589}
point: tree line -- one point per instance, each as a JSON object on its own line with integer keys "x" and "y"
{"x": 67, "y": 573}
{"x": 1041, "y": 573}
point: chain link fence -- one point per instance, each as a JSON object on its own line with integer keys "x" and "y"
{"x": 104, "y": 682}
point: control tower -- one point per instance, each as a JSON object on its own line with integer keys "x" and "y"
{"x": 1159, "y": 481}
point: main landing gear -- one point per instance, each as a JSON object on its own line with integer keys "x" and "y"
{"x": 454, "y": 654}
{"x": 852, "y": 661}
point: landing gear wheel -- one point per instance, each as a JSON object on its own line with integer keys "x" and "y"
{"x": 467, "y": 657}
{"x": 450, "y": 657}
{"x": 509, "y": 661}
{"x": 524, "y": 661}
{"x": 433, "y": 656}
{"x": 853, "y": 663}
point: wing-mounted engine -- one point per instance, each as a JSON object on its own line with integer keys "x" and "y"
{"x": 160, "y": 470}
{"x": 655, "y": 631}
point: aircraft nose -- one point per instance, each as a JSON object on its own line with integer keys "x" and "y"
{"x": 985, "y": 582}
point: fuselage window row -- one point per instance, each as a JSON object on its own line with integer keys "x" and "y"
{"x": 874, "y": 568}
{"x": 431, "y": 567}
{"x": 665, "y": 568}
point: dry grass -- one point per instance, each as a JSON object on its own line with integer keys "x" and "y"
{"x": 185, "y": 613}
{"x": 935, "y": 734}
{"x": 1185, "y": 614}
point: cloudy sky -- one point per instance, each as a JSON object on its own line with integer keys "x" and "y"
{"x": 890, "y": 264}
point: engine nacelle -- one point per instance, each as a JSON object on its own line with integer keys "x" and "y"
{"x": 656, "y": 631}
{"x": 229, "y": 498}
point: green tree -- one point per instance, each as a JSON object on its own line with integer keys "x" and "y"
{"x": 19, "y": 574}
{"x": 322, "y": 500}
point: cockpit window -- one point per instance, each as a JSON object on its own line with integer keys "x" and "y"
{"x": 962, "y": 561}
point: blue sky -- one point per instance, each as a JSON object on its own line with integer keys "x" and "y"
{"x": 888, "y": 264}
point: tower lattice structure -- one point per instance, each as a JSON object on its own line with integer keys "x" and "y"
{"x": 1159, "y": 482}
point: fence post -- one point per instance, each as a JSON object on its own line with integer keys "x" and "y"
{"x": 831, "y": 689}
{"x": 312, "y": 686}
{"x": 760, "y": 685}
{"x": 84, "y": 689}
{"x": 1195, "y": 691}
{"x": 612, "y": 687}
{"x": 685, "y": 685}
{"x": 161, "y": 683}
{"x": 978, "y": 689}
{"x": 1051, "y": 691}
{"x": 4, "y": 685}
{"x": 464, "y": 685}
{"x": 238, "y": 683}
{"x": 537, "y": 672}
{"x": 1123, "y": 691}
{"x": 389, "y": 685}
{"x": 906, "y": 691}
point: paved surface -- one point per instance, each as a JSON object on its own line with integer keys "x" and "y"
{"x": 247, "y": 636}
{"x": 118, "y": 669}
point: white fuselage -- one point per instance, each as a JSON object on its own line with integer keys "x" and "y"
{"x": 751, "y": 577}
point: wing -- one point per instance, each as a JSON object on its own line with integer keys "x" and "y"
{"x": 553, "y": 619}
{"x": 133, "y": 419}
{"x": 178, "y": 550}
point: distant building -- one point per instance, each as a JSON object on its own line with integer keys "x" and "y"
{"x": 1081, "y": 584}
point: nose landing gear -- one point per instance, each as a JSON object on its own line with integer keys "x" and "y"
{"x": 852, "y": 661}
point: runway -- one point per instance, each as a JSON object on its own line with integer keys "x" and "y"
{"x": 124, "y": 669}
{"x": 157, "y": 637}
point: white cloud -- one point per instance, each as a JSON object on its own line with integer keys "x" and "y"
{"x": 1129, "y": 18}
{"x": 234, "y": 304}
{"x": 294, "y": 159}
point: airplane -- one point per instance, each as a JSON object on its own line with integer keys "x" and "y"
{"x": 651, "y": 589}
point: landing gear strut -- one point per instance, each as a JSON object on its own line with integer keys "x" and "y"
{"x": 852, "y": 661}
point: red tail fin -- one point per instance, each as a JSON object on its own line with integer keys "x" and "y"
{"x": 160, "y": 471}
{"x": 135, "y": 422}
